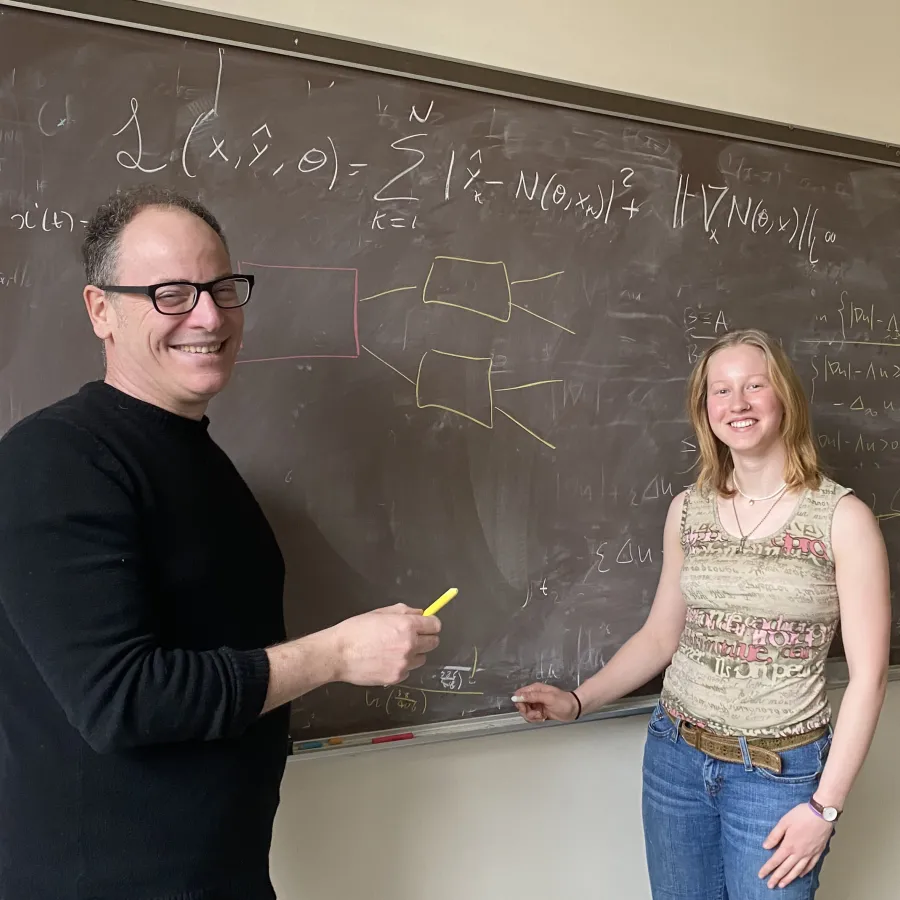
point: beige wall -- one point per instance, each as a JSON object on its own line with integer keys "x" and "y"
{"x": 552, "y": 814}
{"x": 829, "y": 64}
{"x": 529, "y": 816}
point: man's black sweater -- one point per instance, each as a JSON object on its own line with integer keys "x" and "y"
{"x": 139, "y": 582}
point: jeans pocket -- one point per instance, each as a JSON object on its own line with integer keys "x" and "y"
{"x": 800, "y": 765}
{"x": 660, "y": 725}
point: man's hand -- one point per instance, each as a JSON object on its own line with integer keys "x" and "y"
{"x": 798, "y": 840}
{"x": 383, "y": 646}
{"x": 376, "y": 648}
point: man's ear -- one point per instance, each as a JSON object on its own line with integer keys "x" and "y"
{"x": 101, "y": 311}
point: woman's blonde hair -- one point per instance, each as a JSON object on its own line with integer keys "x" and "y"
{"x": 802, "y": 465}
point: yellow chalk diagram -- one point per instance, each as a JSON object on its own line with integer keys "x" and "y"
{"x": 476, "y": 286}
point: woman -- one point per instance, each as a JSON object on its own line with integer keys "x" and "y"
{"x": 743, "y": 774}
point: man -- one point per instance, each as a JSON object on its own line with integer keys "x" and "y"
{"x": 144, "y": 675}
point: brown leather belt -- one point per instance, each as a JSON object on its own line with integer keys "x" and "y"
{"x": 764, "y": 752}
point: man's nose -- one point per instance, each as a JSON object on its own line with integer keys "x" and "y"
{"x": 206, "y": 313}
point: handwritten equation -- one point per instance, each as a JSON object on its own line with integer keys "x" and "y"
{"x": 413, "y": 165}
{"x": 722, "y": 208}
{"x": 852, "y": 366}
{"x": 860, "y": 323}
{"x": 45, "y": 219}
{"x": 404, "y": 700}
{"x": 702, "y": 325}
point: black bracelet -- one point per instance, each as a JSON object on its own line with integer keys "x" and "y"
{"x": 578, "y": 702}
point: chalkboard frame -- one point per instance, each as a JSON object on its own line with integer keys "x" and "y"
{"x": 267, "y": 37}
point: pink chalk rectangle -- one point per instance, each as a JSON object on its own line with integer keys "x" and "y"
{"x": 301, "y": 312}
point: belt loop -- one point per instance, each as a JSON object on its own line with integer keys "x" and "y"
{"x": 676, "y": 721}
{"x": 676, "y": 731}
{"x": 745, "y": 754}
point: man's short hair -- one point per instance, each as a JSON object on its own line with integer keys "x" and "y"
{"x": 100, "y": 248}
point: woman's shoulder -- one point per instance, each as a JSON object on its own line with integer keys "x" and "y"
{"x": 821, "y": 503}
{"x": 829, "y": 488}
{"x": 682, "y": 499}
{"x": 852, "y": 520}
{"x": 694, "y": 495}
{"x": 689, "y": 504}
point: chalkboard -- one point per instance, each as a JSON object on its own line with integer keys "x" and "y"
{"x": 465, "y": 360}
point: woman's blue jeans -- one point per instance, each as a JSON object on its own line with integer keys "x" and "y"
{"x": 705, "y": 820}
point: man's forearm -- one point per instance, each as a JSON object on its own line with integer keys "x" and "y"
{"x": 300, "y": 666}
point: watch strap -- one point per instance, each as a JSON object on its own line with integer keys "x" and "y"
{"x": 819, "y": 810}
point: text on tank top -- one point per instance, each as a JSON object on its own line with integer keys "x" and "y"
{"x": 760, "y": 620}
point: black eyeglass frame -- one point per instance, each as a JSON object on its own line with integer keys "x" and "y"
{"x": 150, "y": 290}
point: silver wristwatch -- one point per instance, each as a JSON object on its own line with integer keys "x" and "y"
{"x": 828, "y": 813}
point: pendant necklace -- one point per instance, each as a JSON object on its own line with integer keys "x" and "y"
{"x": 753, "y": 500}
{"x": 745, "y": 537}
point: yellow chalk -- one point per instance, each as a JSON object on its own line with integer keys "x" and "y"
{"x": 441, "y": 602}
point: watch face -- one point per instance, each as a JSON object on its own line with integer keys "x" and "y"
{"x": 830, "y": 814}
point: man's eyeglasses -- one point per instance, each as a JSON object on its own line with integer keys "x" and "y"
{"x": 177, "y": 298}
